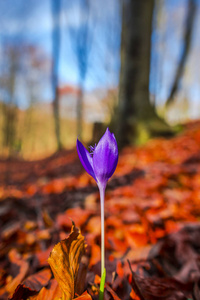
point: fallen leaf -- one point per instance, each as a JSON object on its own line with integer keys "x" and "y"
{"x": 65, "y": 260}
{"x": 95, "y": 254}
{"x": 79, "y": 216}
{"x": 158, "y": 288}
{"x": 51, "y": 292}
{"x": 32, "y": 284}
{"x": 23, "y": 267}
{"x": 84, "y": 296}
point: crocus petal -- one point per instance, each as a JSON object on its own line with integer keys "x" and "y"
{"x": 105, "y": 157}
{"x": 85, "y": 158}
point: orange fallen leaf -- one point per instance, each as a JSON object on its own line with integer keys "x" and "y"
{"x": 51, "y": 292}
{"x": 78, "y": 215}
{"x": 94, "y": 225}
{"x": 23, "y": 266}
{"x": 33, "y": 283}
{"x": 42, "y": 256}
{"x": 111, "y": 292}
{"x": 84, "y": 296}
{"x": 65, "y": 261}
{"x": 95, "y": 254}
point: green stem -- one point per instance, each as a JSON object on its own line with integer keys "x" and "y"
{"x": 103, "y": 279}
{"x": 102, "y": 198}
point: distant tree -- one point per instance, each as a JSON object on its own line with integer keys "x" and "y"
{"x": 112, "y": 39}
{"x": 187, "y": 38}
{"x": 24, "y": 68}
{"x": 136, "y": 116}
{"x": 9, "y": 106}
{"x": 81, "y": 39}
{"x": 56, "y": 9}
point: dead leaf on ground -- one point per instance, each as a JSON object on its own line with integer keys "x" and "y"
{"x": 32, "y": 284}
{"x": 51, "y": 292}
{"x": 22, "y": 267}
{"x": 65, "y": 261}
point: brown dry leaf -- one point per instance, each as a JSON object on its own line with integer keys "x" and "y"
{"x": 32, "y": 284}
{"x": 79, "y": 216}
{"x": 51, "y": 292}
{"x": 138, "y": 254}
{"x": 153, "y": 288}
{"x": 42, "y": 256}
{"x": 94, "y": 225}
{"x": 111, "y": 292}
{"x": 65, "y": 260}
{"x": 10, "y": 230}
{"x": 84, "y": 296}
{"x": 133, "y": 295}
{"x": 23, "y": 267}
{"x": 95, "y": 254}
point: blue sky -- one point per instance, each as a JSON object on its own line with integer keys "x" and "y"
{"x": 30, "y": 22}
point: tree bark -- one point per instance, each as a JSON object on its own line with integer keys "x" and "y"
{"x": 134, "y": 107}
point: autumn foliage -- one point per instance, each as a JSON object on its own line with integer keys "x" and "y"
{"x": 50, "y": 225}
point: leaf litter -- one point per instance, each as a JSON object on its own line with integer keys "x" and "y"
{"x": 151, "y": 223}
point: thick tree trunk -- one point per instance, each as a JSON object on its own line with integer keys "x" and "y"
{"x": 134, "y": 106}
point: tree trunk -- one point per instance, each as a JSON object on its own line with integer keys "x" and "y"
{"x": 79, "y": 109}
{"x": 56, "y": 114}
{"x": 135, "y": 108}
{"x": 10, "y": 108}
{"x": 56, "y": 9}
{"x": 187, "y": 39}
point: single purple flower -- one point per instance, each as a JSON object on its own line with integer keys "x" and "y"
{"x": 100, "y": 163}
{"x": 102, "y": 159}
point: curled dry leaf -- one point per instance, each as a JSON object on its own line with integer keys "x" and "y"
{"x": 65, "y": 262}
{"x": 22, "y": 265}
{"x": 157, "y": 288}
{"x": 84, "y": 296}
{"x": 110, "y": 291}
{"x": 51, "y": 292}
{"x": 32, "y": 284}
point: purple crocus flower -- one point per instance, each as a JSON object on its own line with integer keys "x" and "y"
{"x": 102, "y": 160}
{"x": 100, "y": 163}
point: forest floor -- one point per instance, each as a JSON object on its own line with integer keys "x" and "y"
{"x": 152, "y": 213}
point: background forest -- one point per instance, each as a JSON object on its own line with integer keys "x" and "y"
{"x": 69, "y": 67}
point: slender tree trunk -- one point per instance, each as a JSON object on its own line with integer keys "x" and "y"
{"x": 10, "y": 108}
{"x": 55, "y": 67}
{"x": 10, "y": 119}
{"x": 56, "y": 113}
{"x": 186, "y": 48}
{"x": 79, "y": 110}
{"x": 81, "y": 42}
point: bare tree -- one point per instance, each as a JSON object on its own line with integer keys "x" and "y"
{"x": 24, "y": 68}
{"x": 81, "y": 43}
{"x": 9, "y": 107}
{"x": 56, "y": 39}
{"x": 191, "y": 10}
